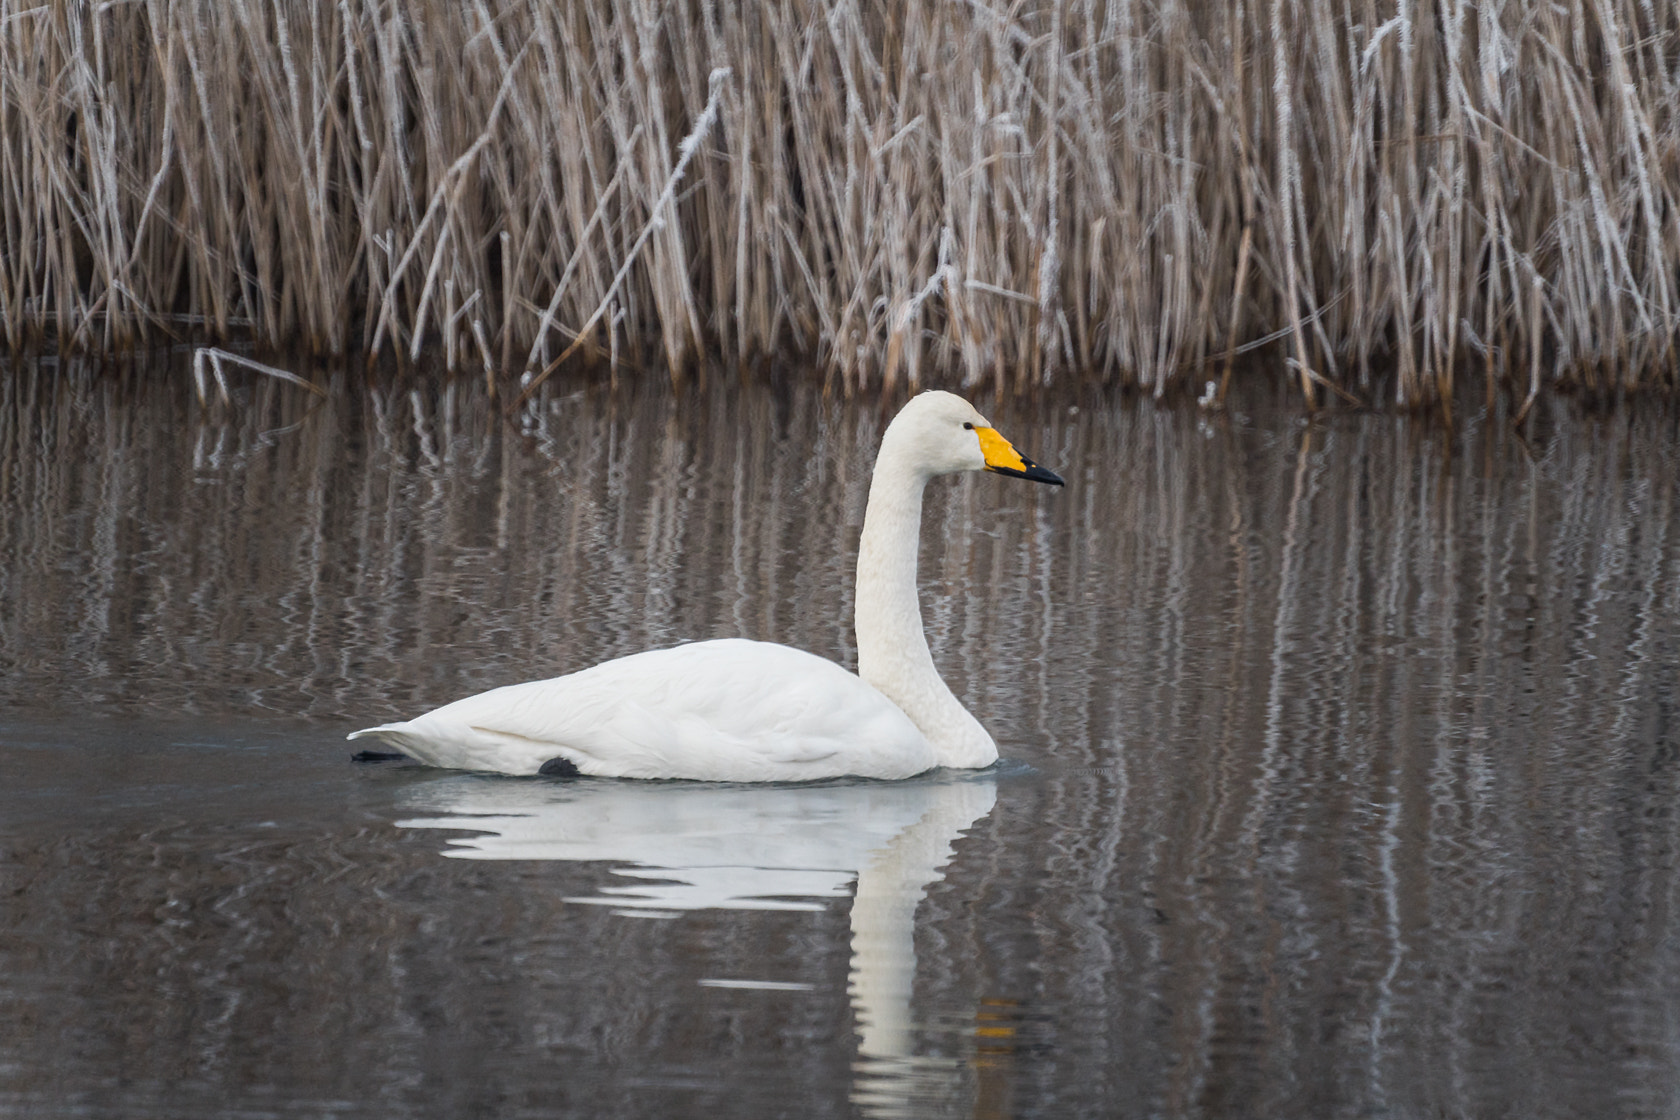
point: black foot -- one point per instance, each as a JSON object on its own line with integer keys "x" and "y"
{"x": 560, "y": 768}
{"x": 377, "y": 756}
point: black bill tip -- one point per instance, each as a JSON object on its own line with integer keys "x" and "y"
{"x": 1033, "y": 473}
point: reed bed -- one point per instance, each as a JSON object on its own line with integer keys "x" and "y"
{"x": 1395, "y": 196}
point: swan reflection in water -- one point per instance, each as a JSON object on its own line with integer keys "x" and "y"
{"x": 704, "y": 846}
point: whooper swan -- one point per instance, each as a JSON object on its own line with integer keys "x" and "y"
{"x": 742, "y": 711}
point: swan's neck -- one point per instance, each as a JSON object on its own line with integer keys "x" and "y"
{"x": 892, "y": 649}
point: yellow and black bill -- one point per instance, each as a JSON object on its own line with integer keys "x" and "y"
{"x": 1002, "y": 457}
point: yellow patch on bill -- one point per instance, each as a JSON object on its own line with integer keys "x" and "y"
{"x": 998, "y": 451}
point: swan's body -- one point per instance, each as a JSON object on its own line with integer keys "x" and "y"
{"x": 734, "y": 710}
{"x": 731, "y": 710}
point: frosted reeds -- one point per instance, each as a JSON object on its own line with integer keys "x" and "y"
{"x": 1402, "y": 195}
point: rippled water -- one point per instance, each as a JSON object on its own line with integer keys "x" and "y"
{"x": 1340, "y": 765}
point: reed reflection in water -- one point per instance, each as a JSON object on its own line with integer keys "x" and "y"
{"x": 1352, "y": 750}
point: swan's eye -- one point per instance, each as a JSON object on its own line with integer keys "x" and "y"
{"x": 967, "y": 427}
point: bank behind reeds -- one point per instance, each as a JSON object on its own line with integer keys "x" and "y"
{"x": 1400, "y": 196}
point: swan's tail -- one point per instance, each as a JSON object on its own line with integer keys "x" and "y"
{"x": 392, "y": 733}
{"x": 384, "y": 733}
{"x": 454, "y": 746}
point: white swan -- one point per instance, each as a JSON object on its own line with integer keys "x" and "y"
{"x": 742, "y": 711}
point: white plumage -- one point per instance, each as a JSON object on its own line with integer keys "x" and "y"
{"x": 742, "y": 711}
{"x": 732, "y": 710}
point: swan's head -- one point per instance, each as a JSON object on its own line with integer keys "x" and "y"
{"x": 940, "y": 433}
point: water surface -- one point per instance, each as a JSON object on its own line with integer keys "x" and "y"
{"x": 1340, "y": 765}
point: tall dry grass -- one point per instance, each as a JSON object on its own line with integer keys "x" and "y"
{"x": 1399, "y": 195}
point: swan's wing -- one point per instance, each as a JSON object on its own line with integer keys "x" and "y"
{"x": 726, "y": 710}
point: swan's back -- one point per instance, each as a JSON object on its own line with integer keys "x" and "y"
{"x": 726, "y": 710}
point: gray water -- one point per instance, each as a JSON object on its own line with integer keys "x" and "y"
{"x": 1339, "y": 764}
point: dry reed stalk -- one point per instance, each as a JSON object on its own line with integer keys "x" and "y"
{"x": 987, "y": 193}
{"x": 209, "y": 361}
